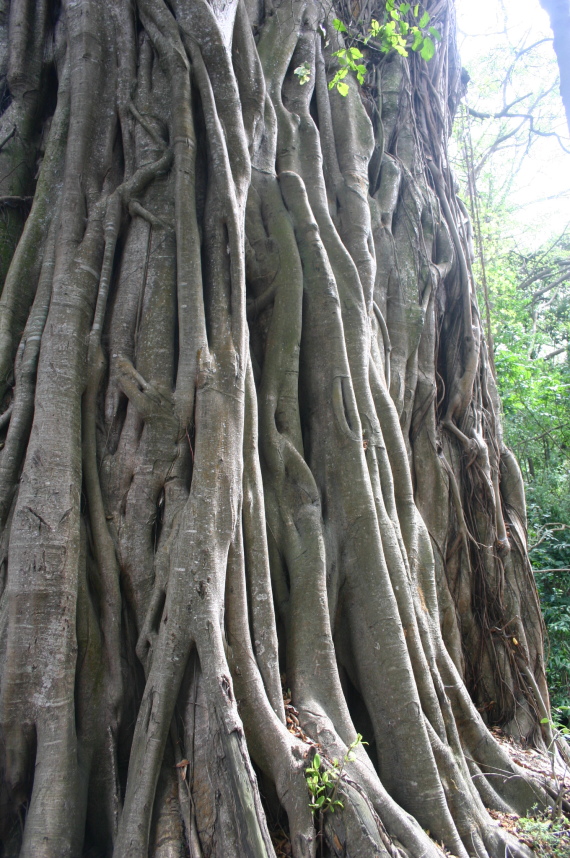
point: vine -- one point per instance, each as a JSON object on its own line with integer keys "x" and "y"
{"x": 394, "y": 33}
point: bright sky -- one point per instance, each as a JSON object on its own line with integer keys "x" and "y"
{"x": 483, "y": 25}
{"x": 485, "y": 21}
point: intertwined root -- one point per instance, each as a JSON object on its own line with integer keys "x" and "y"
{"x": 249, "y": 435}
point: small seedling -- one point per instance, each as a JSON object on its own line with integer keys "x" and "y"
{"x": 323, "y": 782}
{"x": 559, "y": 739}
{"x": 560, "y": 732}
{"x": 556, "y": 723}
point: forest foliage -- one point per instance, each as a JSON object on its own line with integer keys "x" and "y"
{"x": 511, "y": 119}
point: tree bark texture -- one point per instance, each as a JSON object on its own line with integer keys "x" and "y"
{"x": 559, "y": 14}
{"x": 251, "y": 445}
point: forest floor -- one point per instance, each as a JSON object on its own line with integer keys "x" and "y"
{"x": 546, "y": 833}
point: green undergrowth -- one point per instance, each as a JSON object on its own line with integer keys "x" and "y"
{"x": 551, "y": 535}
{"x": 548, "y": 837}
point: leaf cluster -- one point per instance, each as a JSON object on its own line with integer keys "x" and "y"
{"x": 323, "y": 781}
{"x": 403, "y": 28}
{"x": 556, "y": 721}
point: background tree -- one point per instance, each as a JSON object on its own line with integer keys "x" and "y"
{"x": 530, "y": 294}
{"x": 559, "y": 14}
{"x": 251, "y": 438}
{"x": 511, "y": 156}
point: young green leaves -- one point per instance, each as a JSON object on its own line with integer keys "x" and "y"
{"x": 303, "y": 72}
{"x": 347, "y": 59}
{"x": 322, "y": 783}
{"x": 322, "y": 786}
{"x": 395, "y": 33}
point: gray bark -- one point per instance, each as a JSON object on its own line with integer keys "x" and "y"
{"x": 251, "y": 447}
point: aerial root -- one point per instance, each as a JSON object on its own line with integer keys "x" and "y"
{"x": 278, "y": 753}
{"x": 357, "y": 830}
{"x": 395, "y": 824}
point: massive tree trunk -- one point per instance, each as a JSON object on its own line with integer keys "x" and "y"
{"x": 251, "y": 446}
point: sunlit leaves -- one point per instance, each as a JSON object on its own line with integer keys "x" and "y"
{"x": 303, "y": 72}
{"x": 428, "y": 49}
{"x": 323, "y": 780}
{"x": 393, "y": 33}
{"x": 418, "y": 39}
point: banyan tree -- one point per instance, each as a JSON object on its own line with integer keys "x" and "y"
{"x": 254, "y": 494}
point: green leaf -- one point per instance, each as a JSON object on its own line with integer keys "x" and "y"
{"x": 424, "y": 20}
{"x": 342, "y": 88}
{"x": 339, "y": 26}
{"x": 303, "y": 72}
{"x": 356, "y": 54}
{"x": 342, "y": 56}
{"x": 317, "y": 761}
{"x": 428, "y": 49}
{"x": 545, "y": 720}
{"x": 435, "y": 33}
{"x": 418, "y": 39}
{"x": 405, "y": 8}
{"x": 416, "y": 10}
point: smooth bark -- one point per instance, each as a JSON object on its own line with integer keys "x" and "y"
{"x": 254, "y": 494}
